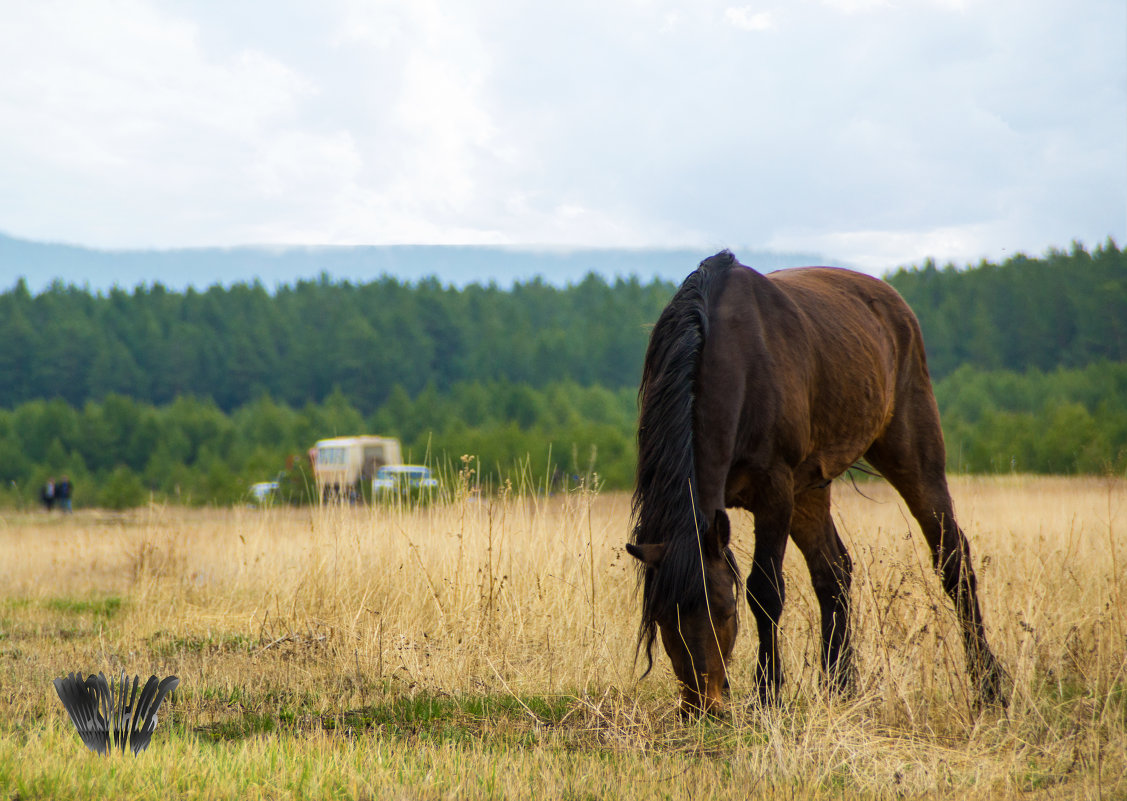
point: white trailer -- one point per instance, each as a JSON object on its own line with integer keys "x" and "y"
{"x": 341, "y": 463}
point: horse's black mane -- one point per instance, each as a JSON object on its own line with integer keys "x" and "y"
{"x": 665, "y": 505}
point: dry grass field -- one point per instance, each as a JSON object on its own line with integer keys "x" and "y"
{"x": 483, "y": 648}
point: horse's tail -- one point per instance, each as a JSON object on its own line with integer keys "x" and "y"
{"x": 665, "y": 505}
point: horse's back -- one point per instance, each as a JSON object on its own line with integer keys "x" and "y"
{"x": 837, "y": 298}
{"x": 824, "y": 353}
{"x": 847, "y": 324}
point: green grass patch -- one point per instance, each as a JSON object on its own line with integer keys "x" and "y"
{"x": 166, "y": 644}
{"x": 487, "y": 720}
{"x": 427, "y": 711}
{"x": 249, "y": 724}
{"x": 105, "y": 608}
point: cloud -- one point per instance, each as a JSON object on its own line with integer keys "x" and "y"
{"x": 879, "y": 250}
{"x": 748, "y": 19}
{"x": 117, "y": 107}
{"x": 873, "y": 131}
{"x": 857, "y": 6}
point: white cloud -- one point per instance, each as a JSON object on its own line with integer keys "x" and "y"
{"x": 748, "y": 19}
{"x": 872, "y": 131}
{"x": 117, "y": 106}
{"x": 857, "y": 6}
{"x": 879, "y": 250}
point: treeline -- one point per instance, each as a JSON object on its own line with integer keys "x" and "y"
{"x": 193, "y": 396}
{"x": 1064, "y": 421}
{"x": 1062, "y": 310}
{"x": 299, "y": 343}
{"x": 120, "y": 452}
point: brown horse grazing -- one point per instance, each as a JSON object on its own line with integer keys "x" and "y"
{"x": 757, "y": 391}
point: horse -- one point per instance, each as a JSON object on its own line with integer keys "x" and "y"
{"x": 756, "y": 392}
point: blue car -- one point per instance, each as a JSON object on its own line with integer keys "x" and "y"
{"x": 402, "y": 479}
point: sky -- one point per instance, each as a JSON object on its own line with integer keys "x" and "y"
{"x": 876, "y": 133}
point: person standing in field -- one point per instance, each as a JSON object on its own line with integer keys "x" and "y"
{"x": 62, "y": 493}
{"x": 47, "y": 495}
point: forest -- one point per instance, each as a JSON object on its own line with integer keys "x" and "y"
{"x": 191, "y": 396}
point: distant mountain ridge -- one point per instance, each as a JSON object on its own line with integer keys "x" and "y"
{"x": 41, "y": 263}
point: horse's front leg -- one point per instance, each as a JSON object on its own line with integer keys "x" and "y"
{"x": 765, "y": 595}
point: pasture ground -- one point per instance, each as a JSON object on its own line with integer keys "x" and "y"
{"x": 483, "y": 648}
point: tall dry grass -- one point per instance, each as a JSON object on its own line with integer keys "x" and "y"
{"x": 483, "y": 647}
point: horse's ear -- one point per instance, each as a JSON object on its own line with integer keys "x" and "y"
{"x": 719, "y": 534}
{"x": 650, "y": 554}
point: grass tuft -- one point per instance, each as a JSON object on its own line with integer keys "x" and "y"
{"x": 105, "y": 608}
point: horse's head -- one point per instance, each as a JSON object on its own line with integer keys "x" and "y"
{"x": 698, "y": 637}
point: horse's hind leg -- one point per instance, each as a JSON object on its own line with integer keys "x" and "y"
{"x": 911, "y": 455}
{"x": 831, "y": 572}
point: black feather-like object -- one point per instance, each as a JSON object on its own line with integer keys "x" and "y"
{"x": 108, "y": 714}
